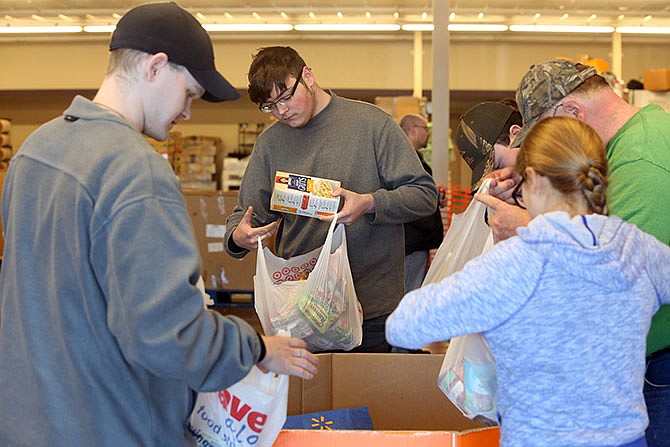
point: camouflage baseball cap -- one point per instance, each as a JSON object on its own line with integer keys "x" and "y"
{"x": 543, "y": 86}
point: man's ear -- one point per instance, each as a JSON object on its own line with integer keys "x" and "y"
{"x": 154, "y": 64}
{"x": 514, "y": 130}
{"x": 574, "y": 108}
{"x": 308, "y": 76}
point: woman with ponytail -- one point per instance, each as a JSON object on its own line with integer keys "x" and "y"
{"x": 565, "y": 305}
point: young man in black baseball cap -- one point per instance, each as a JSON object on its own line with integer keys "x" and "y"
{"x": 483, "y": 138}
{"x": 104, "y": 338}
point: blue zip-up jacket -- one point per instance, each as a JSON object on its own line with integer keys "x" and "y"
{"x": 565, "y": 306}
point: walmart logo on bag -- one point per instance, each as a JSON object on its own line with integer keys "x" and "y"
{"x": 322, "y": 423}
{"x": 342, "y": 419}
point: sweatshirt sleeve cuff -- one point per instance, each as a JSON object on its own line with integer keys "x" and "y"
{"x": 263, "y": 349}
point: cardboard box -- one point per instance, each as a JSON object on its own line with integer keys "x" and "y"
{"x": 397, "y": 106}
{"x": 656, "y": 79}
{"x": 400, "y": 390}
{"x": 209, "y": 211}
{"x": 304, "y": 195}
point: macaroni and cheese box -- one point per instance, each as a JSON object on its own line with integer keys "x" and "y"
{"x": 304, "y": 195}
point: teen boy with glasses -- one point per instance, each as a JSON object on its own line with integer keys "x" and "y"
{"x": 320, "y": 134}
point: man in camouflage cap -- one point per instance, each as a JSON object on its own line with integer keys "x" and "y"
{"x": 544, "y": 86}
{"x": 638, "y": 150}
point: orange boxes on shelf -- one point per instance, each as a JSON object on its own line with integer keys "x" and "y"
{"x": 656, "y": 79}
{"x": 400, "y": 390}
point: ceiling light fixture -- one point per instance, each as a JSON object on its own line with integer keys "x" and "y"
{"x": 561, "y": 29}
{"x": 643, "y": 29}
{"x": 312, "y": 15}
{"x": 39, "y": 29}
{"x": 346, "y": 27}
{"x": 457, "y": 27}
{"x": 283, "y": 15}
{"x": 99, "y": 28}
{"x": 252, "y": 27}
{"x": 478, "y": 27}
{"x": 418, "y": 27}
{"x": 256, "y": 15}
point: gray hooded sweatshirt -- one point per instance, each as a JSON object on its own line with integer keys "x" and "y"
{"x": 565, "y": 306}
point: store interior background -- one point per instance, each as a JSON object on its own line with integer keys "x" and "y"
{"x": 40, "y": 75}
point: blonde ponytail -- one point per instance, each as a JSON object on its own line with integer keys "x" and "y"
{"x": 571, "y": 155}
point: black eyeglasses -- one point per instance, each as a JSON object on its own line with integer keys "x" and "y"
{"x": 560, "y": 104}
{"x": 269, "y": 107}
{"x": 517, "y": 195}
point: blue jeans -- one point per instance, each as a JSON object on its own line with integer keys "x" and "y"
{"x": 657, "y": 398}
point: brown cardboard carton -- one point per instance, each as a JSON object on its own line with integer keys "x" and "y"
{"x": 209, "y": 211}
{"x": 656, "y": 79}
{"x": 400, "y": 390}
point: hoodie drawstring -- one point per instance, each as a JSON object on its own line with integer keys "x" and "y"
{"x": 595, "y": 241}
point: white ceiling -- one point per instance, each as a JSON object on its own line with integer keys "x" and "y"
{"x": 18, "y": 7}
{"x": 593, "y": 12}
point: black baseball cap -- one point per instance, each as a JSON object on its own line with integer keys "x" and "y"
{"x": 168, "y": 28}
{"x": 478, "y": 130}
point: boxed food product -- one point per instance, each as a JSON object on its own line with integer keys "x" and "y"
{"x": 656, "y": 79}
{"x": 400, "y": 390}
{"x": 304, "y": 195}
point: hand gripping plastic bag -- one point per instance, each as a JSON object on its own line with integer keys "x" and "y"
{"x": 251, "y": 412}
{"x": 468, "y": 372}
{"x": 312, "y": 296}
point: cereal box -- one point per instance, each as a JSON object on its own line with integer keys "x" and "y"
{"x": 304, "y": 195}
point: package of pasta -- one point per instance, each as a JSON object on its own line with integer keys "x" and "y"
{"x": 304, "y": 195}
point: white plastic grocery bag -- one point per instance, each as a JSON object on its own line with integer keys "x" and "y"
{"x": 249, "y": 413}
{"x": 312, "y": 296}
{"x": 468, "y": 373}
{"x": 468, "y": 236}
{"x": 468, "y": 377}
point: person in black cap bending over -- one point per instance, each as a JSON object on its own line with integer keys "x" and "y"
{"x": 104, "y": 337}
{"x": 483, "y": 138}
